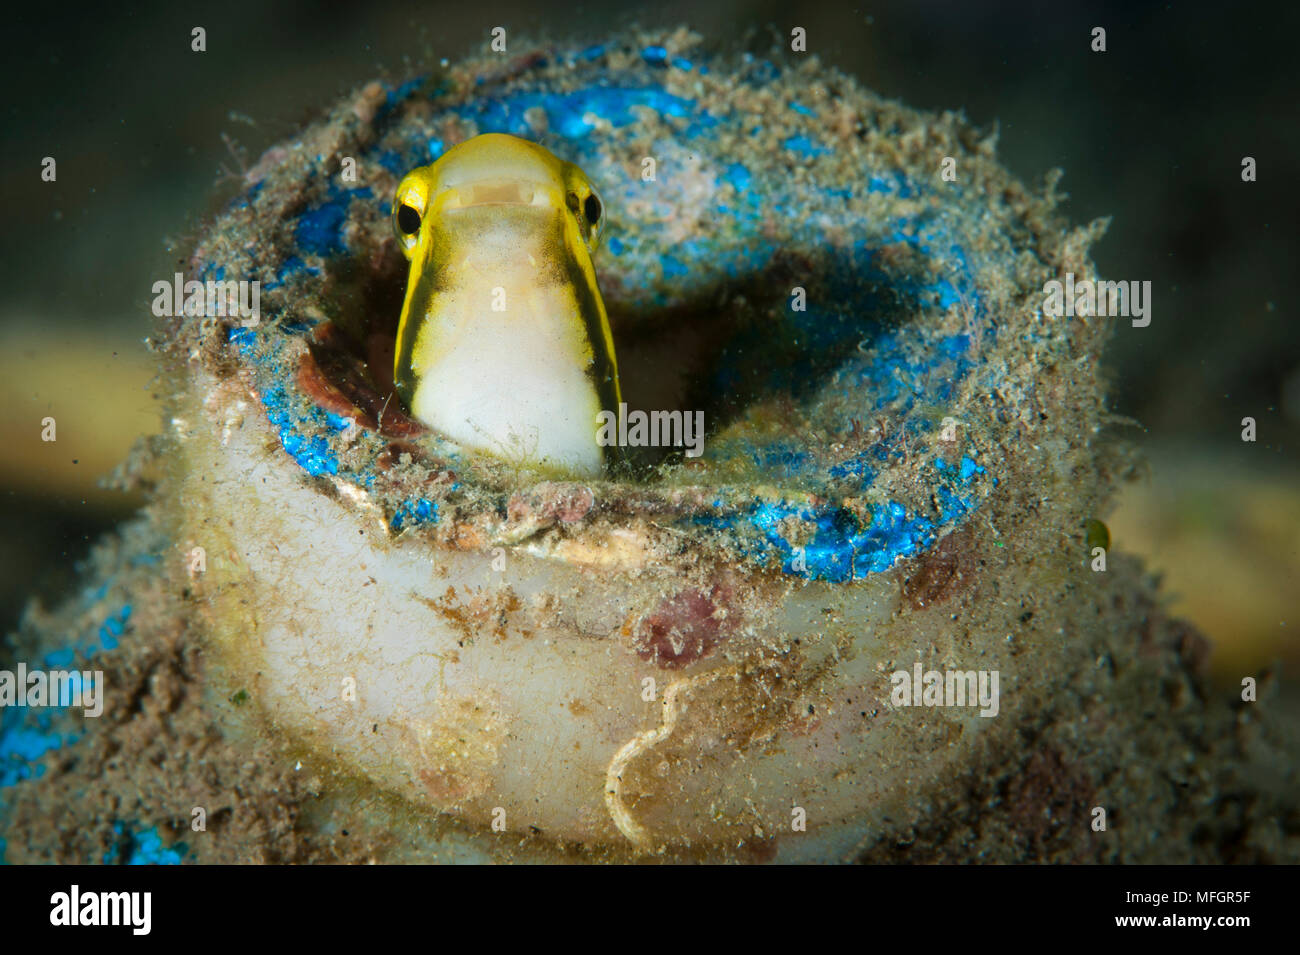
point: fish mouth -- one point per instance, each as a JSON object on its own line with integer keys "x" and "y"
{"x": 495, "y": 192}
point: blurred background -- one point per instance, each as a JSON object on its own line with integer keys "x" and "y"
{"x": 1152, "y": 132}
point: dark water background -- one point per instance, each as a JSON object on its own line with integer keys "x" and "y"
{"x": 1151, "y": 132}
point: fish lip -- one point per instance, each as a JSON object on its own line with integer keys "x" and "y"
{"x": 494, "y": 192}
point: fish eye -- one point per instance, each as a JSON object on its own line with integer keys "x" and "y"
{"x": 587, "y": 209}
{"x": 408, "y": 220}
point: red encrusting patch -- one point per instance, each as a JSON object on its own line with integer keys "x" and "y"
{"x": 942, "y": 573}
{"x": 552, "y": 501}
{"x": 334, "y": 377}
{"x": 685, "y": 627}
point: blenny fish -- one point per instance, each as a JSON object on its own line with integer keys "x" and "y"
{"x": 504, "y": 345}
